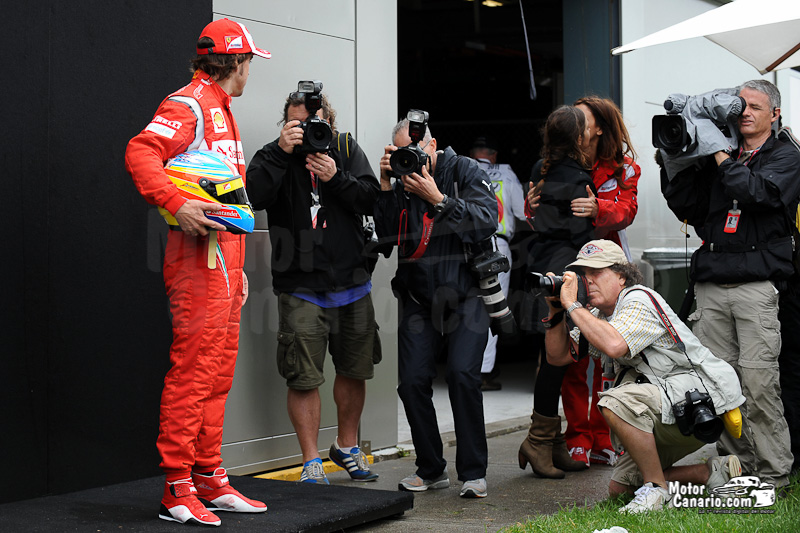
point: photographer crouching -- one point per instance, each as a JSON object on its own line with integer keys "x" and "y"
{"x": 668, "y": 389}
{"x": 739, "y": 201}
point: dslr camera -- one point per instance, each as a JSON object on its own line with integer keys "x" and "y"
{"x": 486, "y": 261}
{"x": 410, "y": 159}
{"x": 696, "y": 416}
{"x": 317, "y": 133}
{"x": 551, "y": 286}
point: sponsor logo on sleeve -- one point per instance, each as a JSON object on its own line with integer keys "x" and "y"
{"x": 174, "y": 124}
{"x": 218, "y": 119}
{"x": 609, "y": 185}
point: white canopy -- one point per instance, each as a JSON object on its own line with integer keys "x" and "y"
{"x": 765, "y": 33}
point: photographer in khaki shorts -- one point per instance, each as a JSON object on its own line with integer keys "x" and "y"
{"x": 635, "y": 327}
{"x": 315, "y": 199}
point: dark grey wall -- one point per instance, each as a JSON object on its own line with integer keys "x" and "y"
{"x": 85, "y": 326}
{"x": 591, "y": 30}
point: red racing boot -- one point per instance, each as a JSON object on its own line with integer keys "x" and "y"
{"x": 218, "y": 495}
{"x": 180, "y": 504}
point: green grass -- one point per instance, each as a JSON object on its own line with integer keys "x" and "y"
{"x": 604, "y": 514}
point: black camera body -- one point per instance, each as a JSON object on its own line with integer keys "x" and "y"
{"x": 486, "y": 262}
{"x": 317, "y": 133}
{"x": 551, "y": 286}
{"x": 696, "y": 416}
{"x": 410, "y": 159}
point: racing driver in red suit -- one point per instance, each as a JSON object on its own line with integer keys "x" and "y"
{"x": 206, "y": 289}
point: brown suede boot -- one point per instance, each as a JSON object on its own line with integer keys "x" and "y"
{"x": 537, "y": 448}
{"x": 561, "y": 457}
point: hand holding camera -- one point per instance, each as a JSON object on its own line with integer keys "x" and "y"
{"x": 561, "y": 291}
{"x": 423, "y": 186}
{"x": 322, "y": 165}
{"x": 291, "y": 136}
{"x": 385, "y": 167}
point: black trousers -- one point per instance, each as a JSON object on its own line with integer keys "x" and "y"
{"x": 789, "y": 363}
{"x": 464, "y": 333}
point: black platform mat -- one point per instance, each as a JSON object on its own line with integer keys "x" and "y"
{"x": 134, "y": 506}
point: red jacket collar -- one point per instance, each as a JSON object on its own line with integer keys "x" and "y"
{"x": 213, "y": 86}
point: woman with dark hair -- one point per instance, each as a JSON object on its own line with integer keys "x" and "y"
{"x": 610, "y": 155}
{"x": 557, "y": 180}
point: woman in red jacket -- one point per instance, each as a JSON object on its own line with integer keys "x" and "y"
{"x": 615, "y": 175}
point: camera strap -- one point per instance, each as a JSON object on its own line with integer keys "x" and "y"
{"x": 675, "y": 337}
{"x": 425, "y": 239}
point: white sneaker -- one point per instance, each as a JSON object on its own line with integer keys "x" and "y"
{"x": 414, "y": 483}
{"x": 474, "y": 488}
{"x": 721, "y": 470}
{"x": 649, "y": 497}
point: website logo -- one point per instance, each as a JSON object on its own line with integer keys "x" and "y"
{"x": 740, "y": 495}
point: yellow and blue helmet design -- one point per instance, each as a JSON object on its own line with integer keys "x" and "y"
{"x": 211, "y": 177}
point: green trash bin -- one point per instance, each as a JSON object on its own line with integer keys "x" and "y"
{"x": 670, "y": 273}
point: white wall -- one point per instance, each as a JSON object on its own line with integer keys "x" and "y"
{"x": 351, "y": 46}
{"x": 648, "y": 75}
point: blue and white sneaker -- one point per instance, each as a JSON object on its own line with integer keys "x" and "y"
{"x": 313, "y": 472}
{"x": 355, "y": 462}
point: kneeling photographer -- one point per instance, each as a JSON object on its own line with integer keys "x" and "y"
{"x": 742, "y": 202}
{"x": 658, "y": 361}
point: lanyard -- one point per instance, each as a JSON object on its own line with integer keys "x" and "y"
{"x": 752, "y": 154}
{"x": 315, "y": 205}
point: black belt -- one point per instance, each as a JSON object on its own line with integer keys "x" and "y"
{"x": 741, "y": 248}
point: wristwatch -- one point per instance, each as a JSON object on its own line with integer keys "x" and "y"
{"x": 441, "y": 205}
{"x": 574, "y": 306}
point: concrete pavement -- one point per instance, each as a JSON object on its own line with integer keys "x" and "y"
{"x": 514, "y": 495}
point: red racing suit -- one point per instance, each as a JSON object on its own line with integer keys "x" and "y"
{"x": 205, "y": 302}
{"x": 617, "y": 208}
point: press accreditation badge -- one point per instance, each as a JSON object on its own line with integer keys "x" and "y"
{"x": 732, "y": 221}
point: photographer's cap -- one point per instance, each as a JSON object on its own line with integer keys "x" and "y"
{"x": 230, "y": 38}
{"x": 600, "y": 253}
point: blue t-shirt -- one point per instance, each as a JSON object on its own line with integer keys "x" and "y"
{"x": 329, "y": 300}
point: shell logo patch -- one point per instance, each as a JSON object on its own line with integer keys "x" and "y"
{"x": 590, "y": 249}
{"x": 218, "y": 119}
{"x": 233, "y": 43}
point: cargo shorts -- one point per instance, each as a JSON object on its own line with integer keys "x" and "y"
{"x": 307, "y": 331}
{"x": 639, "y": 404}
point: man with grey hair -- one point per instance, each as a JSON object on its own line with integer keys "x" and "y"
{"x": 431, "y": 215}
{"x": 740, "y": 206}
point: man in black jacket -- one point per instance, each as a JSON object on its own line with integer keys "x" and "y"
{"x": 315, "y": 204}
{"x": 431, "y": 215}
{"x": 739, "y": 205}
